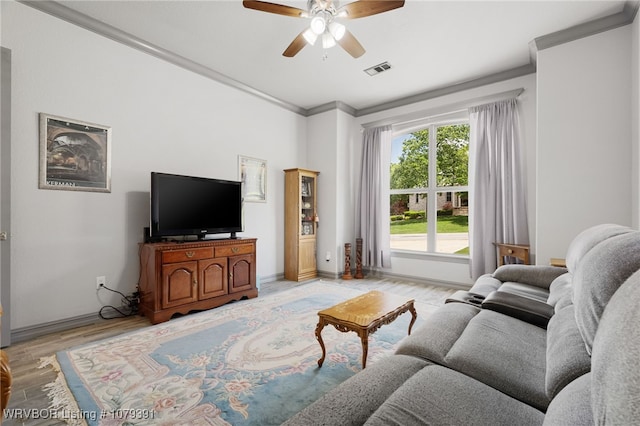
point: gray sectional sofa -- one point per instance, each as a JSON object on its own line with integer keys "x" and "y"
{"x": 469, "y": 364}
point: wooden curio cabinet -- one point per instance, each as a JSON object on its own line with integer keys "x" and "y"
{"x": 300, "y": 224}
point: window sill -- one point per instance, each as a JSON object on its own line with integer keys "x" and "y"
{"x": 435, "y": 257}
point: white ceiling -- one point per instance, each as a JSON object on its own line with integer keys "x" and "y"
{"x": 430, "y": 44}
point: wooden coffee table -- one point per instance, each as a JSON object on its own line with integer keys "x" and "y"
{"x": 364, "y": 315}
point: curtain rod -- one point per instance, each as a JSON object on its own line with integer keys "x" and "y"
{"x": 446, "y": 109}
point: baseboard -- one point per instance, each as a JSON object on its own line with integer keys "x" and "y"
{"x": 380, "y": 275}
{"x": 32, "y": 332}
{"x": 329, "y": 275}
{"x": 419, "y": 280}
{"x": 271, "y": 278}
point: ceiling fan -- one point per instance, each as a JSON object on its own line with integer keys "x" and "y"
{"x": 323, "y": 15}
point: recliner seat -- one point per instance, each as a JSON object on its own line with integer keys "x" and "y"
{"x": 466, "y": 365}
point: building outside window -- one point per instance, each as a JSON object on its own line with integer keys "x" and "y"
{"x": 429, "y": 189}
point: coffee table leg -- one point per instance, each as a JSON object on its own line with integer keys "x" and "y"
{"x": 414, "y": 315}
{"x": 364, "y": 337}
{"x": 319, "y": 328}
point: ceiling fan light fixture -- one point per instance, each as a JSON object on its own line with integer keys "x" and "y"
{"x": 337, "y": 30}
{"x": 318, "y": 25}
{"x": 310, "y": 36}
{"x": 328, "y": 41}
{"x": 322, "y": 14}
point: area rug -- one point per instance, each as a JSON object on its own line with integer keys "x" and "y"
{"x": 252, "y": 362}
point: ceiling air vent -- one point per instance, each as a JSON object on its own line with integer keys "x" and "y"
{"x": 377, "y": 69}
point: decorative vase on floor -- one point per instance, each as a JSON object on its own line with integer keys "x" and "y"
{"x": 347, "y": 262}
{"x": 359, "y": 275}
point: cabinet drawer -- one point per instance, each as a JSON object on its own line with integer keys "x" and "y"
{"x": 234, "y": 250}
{"x": 173, "y": 256}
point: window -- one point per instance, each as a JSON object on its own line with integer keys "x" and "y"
{"x": 429, "y": 189}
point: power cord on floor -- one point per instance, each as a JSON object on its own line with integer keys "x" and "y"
{"x": 129, "y": 305}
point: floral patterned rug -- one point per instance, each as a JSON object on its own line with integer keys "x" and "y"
{"x": 251, "y": 362}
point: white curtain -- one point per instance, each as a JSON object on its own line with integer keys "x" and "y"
{"x": 372, "y": 208}
{"x": 497, "y": 197}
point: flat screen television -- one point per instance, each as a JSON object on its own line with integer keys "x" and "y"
{"x": 189, "y": 205}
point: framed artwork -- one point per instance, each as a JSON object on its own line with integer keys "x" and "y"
{"x": 253, "y": 175}
{"x": 74, "y": 155}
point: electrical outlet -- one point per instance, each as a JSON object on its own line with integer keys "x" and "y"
{"x": 101, "y": 281}
{"x": 328, "y": 256}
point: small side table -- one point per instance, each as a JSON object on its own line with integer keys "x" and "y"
{"x": 518, "y": 251}
{"x": 555, "y": 261}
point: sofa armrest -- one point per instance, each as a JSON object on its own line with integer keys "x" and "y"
{"x": 520, "y": 307}
{"x": 535, "y": 275}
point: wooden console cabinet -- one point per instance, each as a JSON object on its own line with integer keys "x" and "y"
{"x": 195, "y": 275}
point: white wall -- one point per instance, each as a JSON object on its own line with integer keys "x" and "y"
{"x": 322, "y": 156}
{"x": 584, "y": 138}
{"x": 164, "y": 118}
{"x": 329, "y": 149}
{"x": 346, "y": 192}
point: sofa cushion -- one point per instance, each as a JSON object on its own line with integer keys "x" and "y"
{"x": 506, "y": 354}
{"x": 572, "y": 406}
{"x": 560, "y": 292}
{"x": 588, "y": 239}
{"x": 525, "y": 290}
{"x": 433, "y": 339}
{"x": 567, "y": 357}
{"x": 355, "y": 399}
{"x": 440, "y": 396}
{"x": 484, "y": 285}
{"x": 534, "y": 275}
{"x": 600, "y": 273}
{"x": 616, "y": 351}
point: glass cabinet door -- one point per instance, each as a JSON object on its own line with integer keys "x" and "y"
{"x": 307, "y": 206}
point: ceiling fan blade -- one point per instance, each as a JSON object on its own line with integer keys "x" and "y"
{"x": 362, "y": 8}
{"x": 296, "y": 46}
{"x": 278, "y": 9}
{"x": 351, "y": 45}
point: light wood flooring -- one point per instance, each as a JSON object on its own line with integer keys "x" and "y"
{"x": 28, "y": 379}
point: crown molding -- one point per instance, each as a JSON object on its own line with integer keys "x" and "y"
{"x": 627, "y": 16}
{"x": 66, "y": 14}
{"x": 339, "y": 105}
{"x": 447, "y": 90}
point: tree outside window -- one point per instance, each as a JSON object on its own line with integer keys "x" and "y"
{"x": 429, "y": 190}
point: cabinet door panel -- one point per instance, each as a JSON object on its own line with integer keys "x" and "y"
{"x": 179, "y": 284}
{"x": 213, "y": 278}
{"x": 307, "y": 256}
{"x": 241, "y": 273}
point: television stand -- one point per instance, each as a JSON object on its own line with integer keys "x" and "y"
{"x": 233, "y": 236}
{"x": 195, "y": 275}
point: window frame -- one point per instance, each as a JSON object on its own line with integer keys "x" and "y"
{"x": 432, "y": 189}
